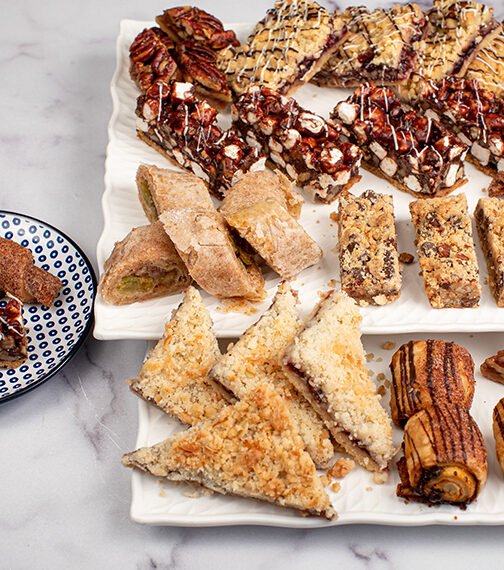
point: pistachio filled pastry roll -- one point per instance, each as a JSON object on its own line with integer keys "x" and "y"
{"x": 445, "y": 459}
{"x": 161, "y": 189}
{"x": 144, "y": 265}
{"x": 429, "y": 372}
{"x": 498, "y": 430}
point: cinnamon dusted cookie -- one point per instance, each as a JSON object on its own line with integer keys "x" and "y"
{"x": 285, "y": 49}
{"x": 379, "y": 47}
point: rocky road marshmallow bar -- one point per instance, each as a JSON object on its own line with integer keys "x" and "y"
{"x": 183, "y": 128}
{"x": 475, "y": 114}
{"x": 415, "y": 153}
{"x": 305, "y": 146}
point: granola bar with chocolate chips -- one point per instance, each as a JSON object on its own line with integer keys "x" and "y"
{"x": 285, "y": 49}
{"x": 186, "y": 23}
{"x": 184, "y": 129}
{"x": 446, "y": 251}
{"x": 415, "y": 153}
{"x": 379, "y": 47}
{"x": 475, "y": 114}
{"x": 13, "y": 342}
{"x": 305, "y": 146}
{"x": 369, "y": 264}
{"x": 489, "y": 216}
{"x": 487, "y": 67}
{"x": 456, "y": 30}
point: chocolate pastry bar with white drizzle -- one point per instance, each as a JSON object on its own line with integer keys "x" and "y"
{"x": 285, "y": 49}
{"x": 305, "y": 146}
{"x": 457, "y": 30}
{"x": 475, "y": 114}
{"x": 184, "y": 129}
{"x": 13, "y": 342}
{"x": 380, "y": 47}
{"x": 446, "y": 251}
{"x": 487, "y": 67}
{"x": 415, "y": 153}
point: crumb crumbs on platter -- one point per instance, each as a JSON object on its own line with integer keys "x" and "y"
{"x": 334, "y": 216}
{"x": 379, "y": 359}
{"x": 369, "y": 488}
{"x": 381, "y": 390}
{"x": 341, "y": 468}
{"x": 406, "y": 258}
{"x": 380, "y": 478}
{"x": 381, "y": 376}
{"x": 369, "y": 356}
{"x": 336, "y": 487}
{"x": 237, "y": 306}
{"x": 388, "y": 345}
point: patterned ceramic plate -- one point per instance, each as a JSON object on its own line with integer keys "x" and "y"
{"x": 55, "y": 333}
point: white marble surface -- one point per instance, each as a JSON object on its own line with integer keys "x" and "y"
{"x": 64, "y": 497}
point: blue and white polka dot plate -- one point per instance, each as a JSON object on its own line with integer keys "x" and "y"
{"x": 55, "y": 333}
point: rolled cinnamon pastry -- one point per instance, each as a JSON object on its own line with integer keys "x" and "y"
{"x": 445, "y": 459}
{"x": 429, "y": 372}
{"x": 498, "y": 430}
{"x": 161, "y": 189}
{"x": 20, "y": 277}
{"x": 144, "y": 265}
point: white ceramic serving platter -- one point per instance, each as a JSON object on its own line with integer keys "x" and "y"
{"x": 359, "y": 499}
{"x": 122, "y": 212}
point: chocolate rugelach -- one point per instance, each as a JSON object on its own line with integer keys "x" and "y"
{"x": 413, "y": 152}
{"x": 303, "y": 145}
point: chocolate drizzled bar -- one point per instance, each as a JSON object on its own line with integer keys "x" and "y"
{"x": 184, "y": 129}
{"x": 369, "y": 264}
{"x": 379, "y": 47}
{"x": 489, "y": 216}
{"x": 493, "y": 367}
{"x": 13, "y": 351}
{"x": 446, "y": 251}
{"x": 305, "y": 146}
{"x": 415, "y": 153}
{"x": 285, "y": 49}
{"x": 456, "y": 31}
{"x": 475, "y": 114}
{"x": 487, "y": 67}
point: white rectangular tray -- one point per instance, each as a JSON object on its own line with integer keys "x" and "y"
{"x": 122, "y": 212}
{"x": 359, "y": 500}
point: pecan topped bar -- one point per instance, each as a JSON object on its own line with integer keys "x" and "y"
{"x": 199, "y": 27}
{"x": 457, "y": 29}
{"x": 379, "y": 47}
{"x": 487, "y": 67}
{"x": 13, "y": 351}
{"x": 415, "y": 153}
{"x": 446, "y": 251}
{"x": 285, "y": 49}
{"x": 304, "y": 145}
{"x": 369, "y": 264}
{"x": 474, "y": 113}
{"x": 184, "y": 128}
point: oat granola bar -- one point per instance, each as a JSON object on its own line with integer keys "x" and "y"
{"x": 379, "y": 47}
{"x": 446, "y": 251}
{"x": 456, "y": 31}
{"x": 184, "y": 128}
{"x": 369, "y": 264}
{"x": 487, "y": 67}
{"x": 489, "y": 216}
{"x": 285, "y": 49}
{"x": 415, "y": 153}
{"x": 305, "y": 146}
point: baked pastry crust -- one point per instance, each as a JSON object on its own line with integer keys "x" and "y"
{"x": 493, "y": 367}
{"x": 250, "y": 449}
{"x": 256, "y": 358}
{"x": 445, "y": 459}
{"x": 174, "y": 375}
{"x": 379, "y": 47}
{"x": 429, "y": 372}
{"x": 144, "y": 265}
{"x": 487, "y": 67}
{"x": 13, "y": 341}
{"x": 498, "y": 431}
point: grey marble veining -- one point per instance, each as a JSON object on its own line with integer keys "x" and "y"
{"x": 64, "y": 496}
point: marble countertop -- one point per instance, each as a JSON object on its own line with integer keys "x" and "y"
{"x": 64, "y": 496}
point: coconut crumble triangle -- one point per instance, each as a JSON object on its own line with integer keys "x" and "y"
{"x": 250, "y": 449}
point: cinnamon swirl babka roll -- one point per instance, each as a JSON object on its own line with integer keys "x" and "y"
{"x": 445, "y": 459}
{"x": 429, "y": 372}
{"x": 498, "y": 430}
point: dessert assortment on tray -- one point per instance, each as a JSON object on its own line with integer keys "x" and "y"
{"x": 293, "y": 390}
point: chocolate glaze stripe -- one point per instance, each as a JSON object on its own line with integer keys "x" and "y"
{"x": 449, "y": 364}
{"x": 413, "y": 399}
{"x": 499, "y": 416}
{"x": 428, "y": 366}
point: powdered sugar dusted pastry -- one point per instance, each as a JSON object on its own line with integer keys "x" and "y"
{"x": 285, "y": 49}
{"x": 144, "y": 265}
{"x": 326, "y": 363}
{"x": 379, "y": 47}
{"x": 174, "y": 375}
{"x": 250, "y": 449}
